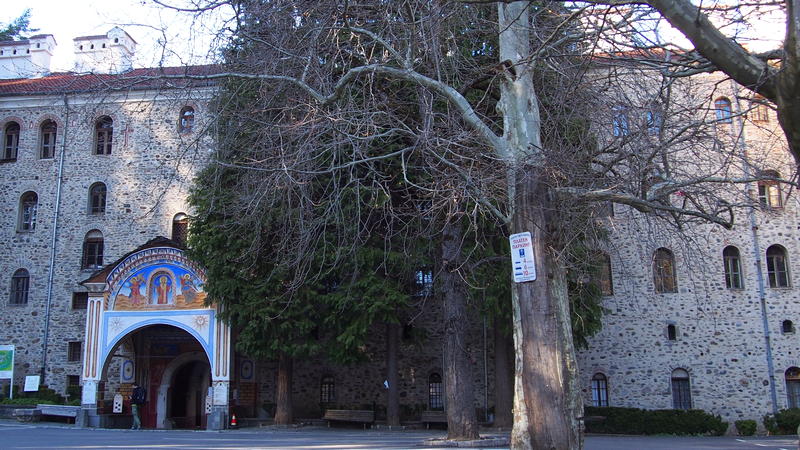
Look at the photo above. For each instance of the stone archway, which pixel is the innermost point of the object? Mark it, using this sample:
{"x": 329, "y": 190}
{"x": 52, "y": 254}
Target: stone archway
{"x": 162, "y": 410}
{"x": 155, "y": 285}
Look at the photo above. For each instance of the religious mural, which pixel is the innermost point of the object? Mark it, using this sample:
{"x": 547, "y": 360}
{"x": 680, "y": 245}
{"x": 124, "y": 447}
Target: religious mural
{"x": 161, "y": 284}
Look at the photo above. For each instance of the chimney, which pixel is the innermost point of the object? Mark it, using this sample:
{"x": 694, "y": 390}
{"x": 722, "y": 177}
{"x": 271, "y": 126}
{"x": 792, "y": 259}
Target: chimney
{"x": 27, "y": 58}
{"x": 106, "y": 53}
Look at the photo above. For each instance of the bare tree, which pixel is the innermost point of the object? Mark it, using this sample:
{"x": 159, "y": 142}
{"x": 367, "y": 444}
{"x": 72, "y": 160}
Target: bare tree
{"x": 465, "y": 104}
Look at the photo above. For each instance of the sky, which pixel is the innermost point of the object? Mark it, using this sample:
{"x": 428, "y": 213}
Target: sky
{"x": 187, "y": 42}
{"x": 172, "y": 38}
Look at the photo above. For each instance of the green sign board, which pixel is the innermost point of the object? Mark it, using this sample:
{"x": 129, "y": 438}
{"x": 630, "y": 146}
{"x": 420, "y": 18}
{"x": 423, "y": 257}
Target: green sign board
{"x": 6, "y": 361}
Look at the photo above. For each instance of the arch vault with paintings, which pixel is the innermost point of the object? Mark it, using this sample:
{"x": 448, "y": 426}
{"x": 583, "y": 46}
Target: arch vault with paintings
{"x": 147, "y": 322}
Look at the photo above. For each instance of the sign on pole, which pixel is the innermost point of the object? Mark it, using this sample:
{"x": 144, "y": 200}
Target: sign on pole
{"x": 522, "y": 262}
{"x": 7, "y": 367}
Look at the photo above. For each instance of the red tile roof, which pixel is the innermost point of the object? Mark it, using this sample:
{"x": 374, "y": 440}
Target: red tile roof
{"x": 136, "y": 79}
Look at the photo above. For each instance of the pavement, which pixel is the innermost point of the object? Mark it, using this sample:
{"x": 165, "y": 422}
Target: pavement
{"x": 46, "y": 435}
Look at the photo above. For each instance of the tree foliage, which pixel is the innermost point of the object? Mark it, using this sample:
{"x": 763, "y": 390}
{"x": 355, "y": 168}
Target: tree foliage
{"x": 17, "y": 27}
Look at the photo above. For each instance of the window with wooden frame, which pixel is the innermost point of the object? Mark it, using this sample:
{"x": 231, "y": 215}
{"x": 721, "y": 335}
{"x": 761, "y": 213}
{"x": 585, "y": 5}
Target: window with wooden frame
{"x": 327, "y": 390}
{"x": 10, "y": 142}
{"x": 20, "y": 284}
{"x": 599, "y": 390}
{"x": 733, "y": 268}
{"x": 777, "y": 267}
{"x": 760, "y": 109}
{"x": 769, "y": 191}
{"x": 74, "y": 351}
{"x": 92, "y": 250}
{"x": 664, "y": 278}
{"x": 97, "y": 198}
{"x": 435, "y": 392}
{"x": 80, "y": 300}
{"x": 28, "y": 205}
{"x": 47, "y": 139}
{"x": 681, "y": 389}
{"x": 722, "y": 108}
{"x": 103, "y": 135}
{"x": 792, "y": 378}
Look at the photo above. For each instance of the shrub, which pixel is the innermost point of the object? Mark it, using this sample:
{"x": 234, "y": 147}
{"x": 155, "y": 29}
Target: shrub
{"x": 27, "y": 401}
{"x": 785, "y": 421}
{"x": 770, "y": 424}
{"x": 662, "y": 421}
{"x": 746, "y": 427}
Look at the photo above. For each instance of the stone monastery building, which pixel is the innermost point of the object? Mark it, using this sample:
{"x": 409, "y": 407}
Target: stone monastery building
{"x": 96, "y": 292}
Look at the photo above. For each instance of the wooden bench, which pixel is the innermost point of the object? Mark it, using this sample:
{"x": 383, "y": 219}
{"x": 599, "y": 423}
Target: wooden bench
{"x": 349, "y": 415}
{"x": 429, "y": 417}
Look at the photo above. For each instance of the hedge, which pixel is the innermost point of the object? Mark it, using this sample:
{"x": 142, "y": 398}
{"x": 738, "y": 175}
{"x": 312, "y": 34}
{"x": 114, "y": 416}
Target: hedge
{"x": 745, "y": 427}
{"x": 785, "y": 421}
{"x": 660, "y": 421}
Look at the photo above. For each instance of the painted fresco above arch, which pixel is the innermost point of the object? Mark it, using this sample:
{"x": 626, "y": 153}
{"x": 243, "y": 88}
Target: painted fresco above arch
{"x": 156, "y": 278}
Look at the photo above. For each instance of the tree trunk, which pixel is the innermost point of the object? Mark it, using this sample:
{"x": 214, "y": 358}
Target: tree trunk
{"x": 503, "y": 375}
{"x": 283, "y": 398}
{"x": 788, "y": 81}
{"x": 393, "y": 399}
{"x": 546, "y": 400}
{"x": 547, "y": 403}
{"x": 462, "y": 423}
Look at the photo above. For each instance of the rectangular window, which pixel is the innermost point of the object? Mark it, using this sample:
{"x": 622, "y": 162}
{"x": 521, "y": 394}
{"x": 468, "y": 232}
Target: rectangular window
{"x": 793, "y": 393}
{"x": 733, "y": 273}
{"x": 681, "y": 396}
{"x": 73, "y": 380}
{"x": 19, "y": 290}
{"x": 423, "y": 283}
{"x": 74, "y": 351}
{"x": 599, "y": 392}
{"x": 80, "y": 300}
{"x": 776, "y": 271}
{"x": 48, "y": 144}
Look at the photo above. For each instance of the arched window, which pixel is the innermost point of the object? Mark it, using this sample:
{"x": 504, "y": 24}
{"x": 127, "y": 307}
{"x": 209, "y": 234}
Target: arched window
{"x": 769, "y": 191}
{"x": 722, "y": 106}
{"x": 599, "y": 390}
{"x": 435, "y": 392}
{"x": 792, "y": 377}
{"x": 664, "y": 271}
{"x": 10, "y": 141}
{"x": 186, "y": 119}
{"x": 604, "y": 279}
{"x": 92, "y": 250}
{"x": 327, "y": 390}
{"x": 27, "y": 211}
{"x": 777, "y": 267}
{"x": 760, "y": 111}
{"x": 733, "y": 267}
{"x": 180, "y": 228}
{"x": 47, "y": 139}
{"x": 787, "y": 327}
{"x": 103, "y": 135}
{"x": 620, "y": 124}
{"x": 97, "y": 198}
{"x": 20, "y": 283}
{"x": 681, "y": 392}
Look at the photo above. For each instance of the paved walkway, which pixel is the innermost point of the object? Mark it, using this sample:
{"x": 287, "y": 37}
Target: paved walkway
{"x": 46, "y": 435}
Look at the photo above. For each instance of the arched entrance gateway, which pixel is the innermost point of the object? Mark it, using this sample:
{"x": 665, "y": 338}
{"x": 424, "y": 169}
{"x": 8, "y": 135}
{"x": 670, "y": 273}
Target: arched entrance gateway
{"x": 147, "y": 323}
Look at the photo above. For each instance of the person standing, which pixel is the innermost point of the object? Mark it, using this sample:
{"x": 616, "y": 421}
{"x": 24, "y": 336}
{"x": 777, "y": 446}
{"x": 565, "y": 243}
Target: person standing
{"x": 138, "y": 398}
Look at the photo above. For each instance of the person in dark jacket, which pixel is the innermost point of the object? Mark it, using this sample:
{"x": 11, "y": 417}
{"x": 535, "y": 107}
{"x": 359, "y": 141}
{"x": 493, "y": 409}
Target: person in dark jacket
{"x": 138, "y": 398}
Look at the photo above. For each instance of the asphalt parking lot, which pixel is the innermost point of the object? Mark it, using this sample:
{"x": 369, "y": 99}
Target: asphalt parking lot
{"x": 43, "y": 435}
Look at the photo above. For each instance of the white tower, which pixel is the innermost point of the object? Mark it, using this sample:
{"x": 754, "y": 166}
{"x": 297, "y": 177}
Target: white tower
{"x": 109, "y": 53}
